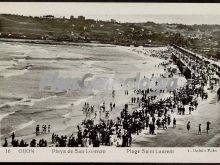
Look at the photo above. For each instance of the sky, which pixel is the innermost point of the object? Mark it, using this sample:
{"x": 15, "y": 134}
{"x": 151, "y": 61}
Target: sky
{"x": 186, "y": 13}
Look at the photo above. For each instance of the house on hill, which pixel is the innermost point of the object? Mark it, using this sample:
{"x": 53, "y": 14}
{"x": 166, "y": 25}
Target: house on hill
{"x": 48, "y": 16}
{"x": 81, "y": 18}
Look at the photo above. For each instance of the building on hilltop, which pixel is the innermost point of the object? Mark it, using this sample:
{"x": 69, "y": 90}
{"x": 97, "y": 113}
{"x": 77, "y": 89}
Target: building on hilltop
{"x": 81, "y": 18}
{"x": 48, "y": 16}
{"x": 113, "y": 21}
{"x": 71, "y": 17}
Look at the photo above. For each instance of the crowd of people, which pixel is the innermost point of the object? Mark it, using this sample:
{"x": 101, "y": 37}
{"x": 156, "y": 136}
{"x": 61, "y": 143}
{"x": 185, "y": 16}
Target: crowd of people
{"x": 15, "y": 142}
{"x": 151, "y": 113}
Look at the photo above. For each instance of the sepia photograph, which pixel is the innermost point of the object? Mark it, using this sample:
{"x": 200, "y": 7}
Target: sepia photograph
{"x": 109, "y": 75}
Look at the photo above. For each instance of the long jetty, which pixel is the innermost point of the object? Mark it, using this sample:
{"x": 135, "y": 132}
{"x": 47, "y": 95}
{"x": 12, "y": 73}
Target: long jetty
{"x": 187, "y": 70}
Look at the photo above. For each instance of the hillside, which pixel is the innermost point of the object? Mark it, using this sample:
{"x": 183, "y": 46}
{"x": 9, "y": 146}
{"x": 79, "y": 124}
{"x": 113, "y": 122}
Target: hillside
{"x": 202, "y": 38}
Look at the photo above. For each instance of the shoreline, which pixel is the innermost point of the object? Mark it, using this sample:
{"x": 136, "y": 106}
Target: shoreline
{"x": 71, "y": 43}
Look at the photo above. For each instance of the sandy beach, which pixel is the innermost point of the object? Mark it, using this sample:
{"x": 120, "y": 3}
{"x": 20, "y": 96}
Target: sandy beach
{"x": 61, "y": 109}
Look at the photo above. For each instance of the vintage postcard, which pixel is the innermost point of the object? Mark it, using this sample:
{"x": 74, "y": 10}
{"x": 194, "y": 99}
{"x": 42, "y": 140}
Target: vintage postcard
{"x": 109, "y": 82}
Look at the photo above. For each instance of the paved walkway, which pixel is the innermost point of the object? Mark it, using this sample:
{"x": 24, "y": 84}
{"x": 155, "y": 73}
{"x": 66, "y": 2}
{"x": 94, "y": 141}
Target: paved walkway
{"x": 179, "y": 137}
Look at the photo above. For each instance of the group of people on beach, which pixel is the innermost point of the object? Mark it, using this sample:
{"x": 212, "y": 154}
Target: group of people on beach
{"x": 91, "y": 134}
{"x": 151, "y": 113}
{"x": 45, "y": 129}
{"x": 42, "y": 143}
{"x": 15, "y": 142}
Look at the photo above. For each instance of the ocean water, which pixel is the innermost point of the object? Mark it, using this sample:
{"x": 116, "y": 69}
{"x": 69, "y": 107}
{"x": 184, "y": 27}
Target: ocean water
{"x": 23, "y": 104}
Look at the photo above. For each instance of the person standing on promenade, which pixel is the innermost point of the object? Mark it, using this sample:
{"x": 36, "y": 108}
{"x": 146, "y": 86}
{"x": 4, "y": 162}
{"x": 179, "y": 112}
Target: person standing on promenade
{"x": 208, "y": 126}
{"x": 218, "y": 94}
{"x": 196, "y": 104}
{"x": 200, "y": 129}
{"x": 190, "y": 109}
{"x": 174, "y": 123}
{"x": 188, "y": 126}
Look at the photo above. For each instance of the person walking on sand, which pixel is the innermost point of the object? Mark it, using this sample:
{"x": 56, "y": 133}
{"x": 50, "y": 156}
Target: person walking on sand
{"x": 188, "y": 126}
{"x": 95, "y": 114}
{"x": 48, "y": 128}
{"x": 37, "y": 130}
{"x": 12, "y": 137}
{"x": 111, "y": 106}
{"x": 208, "y": 127}
{"x": 42, "y": 129}
{"x": 200, "y": 129}
{"x": 113, "y": 93}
